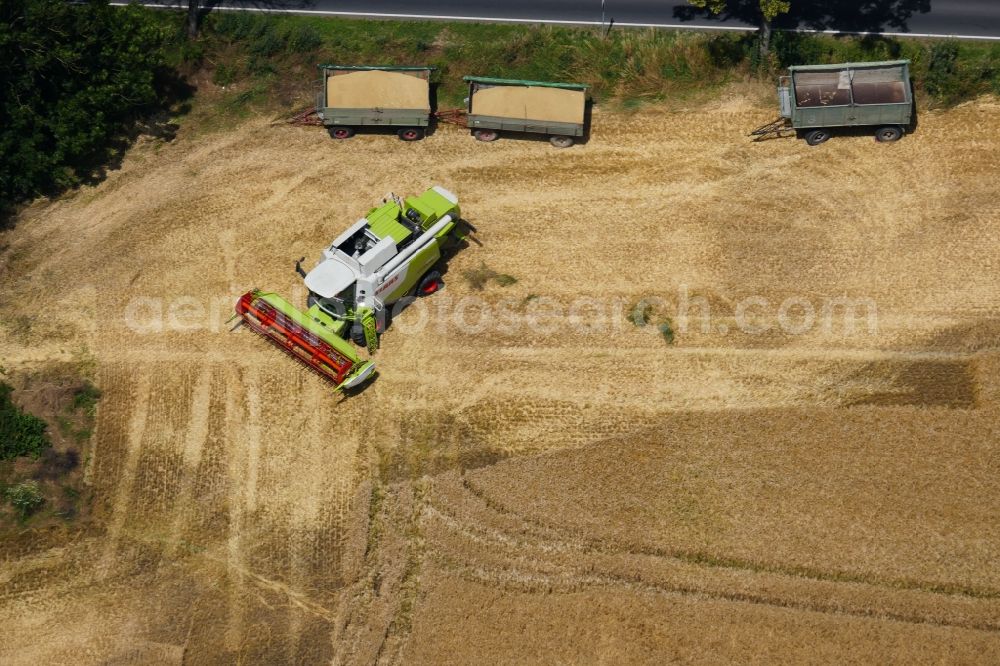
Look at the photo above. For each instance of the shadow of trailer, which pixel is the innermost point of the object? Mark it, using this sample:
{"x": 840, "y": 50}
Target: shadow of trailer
{"x": 555, "y": 110}
{"x": 355, "y": 97}
{"x": 816, "y": 100}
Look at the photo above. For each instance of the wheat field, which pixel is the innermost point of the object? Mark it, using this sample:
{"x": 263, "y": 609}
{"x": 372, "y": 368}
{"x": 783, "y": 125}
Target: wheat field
{"x": 532, "y": 477}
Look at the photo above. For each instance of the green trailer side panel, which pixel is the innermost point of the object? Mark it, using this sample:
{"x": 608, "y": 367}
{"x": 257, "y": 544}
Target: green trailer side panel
{"x": 848, "y": 65}
{"x": 516, "y": 125}
{"x": 370, "y": 68}
{"x": 317, "y": 329}
{"x": 519, "y": 82}
{"x": 333, "y": 117}
{"x": 383, "y": 222}
{"x": 838, "y": 95}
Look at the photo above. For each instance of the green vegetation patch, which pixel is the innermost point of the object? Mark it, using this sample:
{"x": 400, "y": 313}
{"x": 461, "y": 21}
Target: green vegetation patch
{"x": 82, "y": 77}
{"x": 26, "y": 498}
{"x": 478, "y": 278}
{"x": 644, "y": 313}
{"x": 21, "y": 434}
{"x": 628, "y": 66}
{"x": 75, "y": 79}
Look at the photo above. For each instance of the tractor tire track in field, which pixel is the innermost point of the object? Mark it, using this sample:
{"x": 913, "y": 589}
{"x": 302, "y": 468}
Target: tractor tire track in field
{"x": 499, "y": 547}
{"x": 822, "y": 489}
{"x": 126, "y": 478}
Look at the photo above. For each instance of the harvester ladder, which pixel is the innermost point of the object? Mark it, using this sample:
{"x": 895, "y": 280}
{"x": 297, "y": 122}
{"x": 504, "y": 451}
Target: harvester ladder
{"x": 371, "y": 332}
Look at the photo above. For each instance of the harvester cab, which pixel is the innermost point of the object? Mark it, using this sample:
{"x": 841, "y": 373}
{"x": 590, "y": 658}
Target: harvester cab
{"x": 386, "y": 256}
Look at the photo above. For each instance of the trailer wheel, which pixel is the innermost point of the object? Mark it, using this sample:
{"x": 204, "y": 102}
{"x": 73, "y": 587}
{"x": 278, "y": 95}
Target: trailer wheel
{"x": 817, "y": 136}
{"x": 341, "y": 132}
{"x": 430, "y": 283}
{"x": 888, "y": 133}
{"x": 560, "y": 141}
{"x": 410, "y": 134}
{"x": 486, "y": 135}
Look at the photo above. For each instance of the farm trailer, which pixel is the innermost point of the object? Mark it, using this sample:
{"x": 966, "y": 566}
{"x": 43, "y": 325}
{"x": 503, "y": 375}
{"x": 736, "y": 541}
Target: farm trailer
{"x": 815, "y": 99}
{"x": 556, "y": 110}
{"x": 375, "y": 96}
{"x": 387, "y": 257}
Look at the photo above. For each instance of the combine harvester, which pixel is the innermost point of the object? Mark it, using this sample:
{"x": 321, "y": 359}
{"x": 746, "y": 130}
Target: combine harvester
{"x": 385, "y": 257}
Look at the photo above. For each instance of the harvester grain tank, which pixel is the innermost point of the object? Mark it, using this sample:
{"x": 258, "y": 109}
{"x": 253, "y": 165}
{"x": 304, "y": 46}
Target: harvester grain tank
{"x": 557, "y": 110}
{"x": 387, "y": 256}
{"x": 816, "y": 99}
{"x": 375, "y": 96}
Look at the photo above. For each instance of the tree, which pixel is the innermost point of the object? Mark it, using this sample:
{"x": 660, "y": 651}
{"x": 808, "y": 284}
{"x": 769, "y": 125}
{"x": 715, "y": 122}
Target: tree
{"x": 765, "y": 10}
{"x": 73, "y": 77}
{"x": 192, "y": 19}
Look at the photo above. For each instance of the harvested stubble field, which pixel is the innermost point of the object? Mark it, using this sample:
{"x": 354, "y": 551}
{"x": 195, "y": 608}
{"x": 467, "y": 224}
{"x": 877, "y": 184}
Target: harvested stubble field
{"x": 579, "y": 490}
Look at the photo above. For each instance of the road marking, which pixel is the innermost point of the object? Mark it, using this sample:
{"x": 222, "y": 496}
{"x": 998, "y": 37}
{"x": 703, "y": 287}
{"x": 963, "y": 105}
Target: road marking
{"x": 625, "y": 24}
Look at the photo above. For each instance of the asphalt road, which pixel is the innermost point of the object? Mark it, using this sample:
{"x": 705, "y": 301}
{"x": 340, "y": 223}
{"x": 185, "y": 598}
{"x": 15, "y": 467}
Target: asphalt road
{"x": 967, "y": 19}
{"x": 960, "y": 18}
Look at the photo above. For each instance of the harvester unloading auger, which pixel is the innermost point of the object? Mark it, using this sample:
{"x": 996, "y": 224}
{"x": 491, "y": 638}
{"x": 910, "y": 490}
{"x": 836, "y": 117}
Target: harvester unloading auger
{"x": 383, "y": 258}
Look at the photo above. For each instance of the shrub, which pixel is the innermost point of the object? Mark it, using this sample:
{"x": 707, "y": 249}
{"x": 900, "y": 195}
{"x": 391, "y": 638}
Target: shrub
{"x": 21, "y": 434}
{"x": 478, "y": 278}
{"x": 25, "y": 497}
{"x": 267, "y": 43}
{"x": 641, "y": 313}
{"x": 224, "y": 75}
{"x": 667, "y": 331}
{"x": 85, "y": 398}
{"x": 302, "y": 38}
{"x": 942, "y": 69}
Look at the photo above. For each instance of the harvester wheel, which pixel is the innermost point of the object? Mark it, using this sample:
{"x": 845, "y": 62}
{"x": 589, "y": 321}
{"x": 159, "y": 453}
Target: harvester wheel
{"x": 358, "y": 336}
{"x": 561, "y": 141}
{"x": 817, "y": 136}
{"x": 358, "y": 332}
{"x": 341, "y": 132}
{"x": 888, "y": 133}
{"x": 410, "y": 134}
{"x": 486, "y": 135}
{"x": 429, "y": 284}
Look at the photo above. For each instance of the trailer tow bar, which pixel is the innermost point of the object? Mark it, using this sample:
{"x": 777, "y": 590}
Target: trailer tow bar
{"x": 452, "y": 116}
{"x": 775, "y": 129}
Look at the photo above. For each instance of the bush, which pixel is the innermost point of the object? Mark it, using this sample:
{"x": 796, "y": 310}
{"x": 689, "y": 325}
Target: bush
{"x": 302, "y": 38}
{"x": 85, "y": 398}
{"x": 955, "y": 74}
{"x": 266, "y": 44}
{"x": 942, "y": 69}
{"x": 224, "y": 75}
{"x": 21, "y": 434}
{"x": 478, "y": 278}
{"x": 25, "y": 497}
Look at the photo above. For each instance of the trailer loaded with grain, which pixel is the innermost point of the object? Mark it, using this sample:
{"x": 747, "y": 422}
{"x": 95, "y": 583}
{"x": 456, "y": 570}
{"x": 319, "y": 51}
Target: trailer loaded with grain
{"x": 817, "y": 99}
{"x": 384, "y": 96}
{"x": 557, "y": 110}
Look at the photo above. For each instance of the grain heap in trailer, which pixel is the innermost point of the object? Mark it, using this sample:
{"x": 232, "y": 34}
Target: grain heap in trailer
{"x": 557, "y": 110}
{"x": 816, "y": 99}
{"x": 379, "y": 96}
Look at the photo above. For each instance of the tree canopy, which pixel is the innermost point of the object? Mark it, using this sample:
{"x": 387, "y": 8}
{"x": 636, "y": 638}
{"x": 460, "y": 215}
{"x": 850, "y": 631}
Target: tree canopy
{"x": 72, "y": 76}
{"x": 768, "y": 9}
